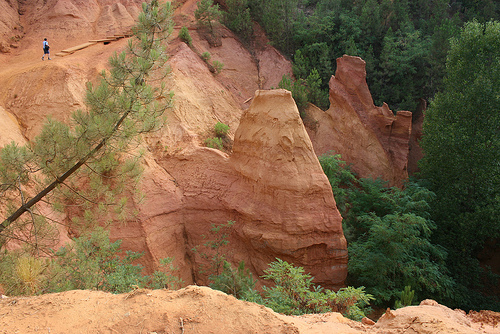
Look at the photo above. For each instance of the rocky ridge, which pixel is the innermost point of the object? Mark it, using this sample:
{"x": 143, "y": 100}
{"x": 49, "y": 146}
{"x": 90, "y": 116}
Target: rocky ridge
{"x": 197, "y": 309}
{"x": 373, "y": 139}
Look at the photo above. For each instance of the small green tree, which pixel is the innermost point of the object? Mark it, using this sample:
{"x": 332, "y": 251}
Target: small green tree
{"x": 389, "y": 234}
{"x": 218, "y": 66}
{"x": 185, "y": 36}
{"x": 214, "y": 246}
{"x": 221, "y": 129}
{"x": 406, "y": 297}
{"x": 298, "y": 89}
{"x": 238, "y": 282}
{"x": 207, "y": 13}
{"x": 315, "y": 94}
{"x": 206, "y": 56}
{"x": 89, "y": 262}
{"x": 214, "y": 142}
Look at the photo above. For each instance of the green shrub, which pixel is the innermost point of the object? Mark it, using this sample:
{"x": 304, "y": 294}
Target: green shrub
{"x": 406, "y": 298}
{"x": 221, "y": 129}
{"x": 185, "y": 36}
{"x": 89, "y": 263}
{"x": 214, "y": 142}
{"x": 389, "y": 236}
{"x": 92, "y": 262}
{"x": 238, "y": 282}
{"x": 315, "y": 94}
{"x": 218, "y": 66}
{"x": 165, "y": 278}
{"x": 341, "y": 178}
{"x": 22, "y": 274}
{"x": 206, "y": 56}
{"x": 294, "y": 293}
{"x": 212, "y": 249}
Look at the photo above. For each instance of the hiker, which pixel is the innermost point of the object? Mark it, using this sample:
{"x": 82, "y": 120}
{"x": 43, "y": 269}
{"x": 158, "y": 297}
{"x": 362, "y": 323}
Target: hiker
{"x": 46, "y": 49}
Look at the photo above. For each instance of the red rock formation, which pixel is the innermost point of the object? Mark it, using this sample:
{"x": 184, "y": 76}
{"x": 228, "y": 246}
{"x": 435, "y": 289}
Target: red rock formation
{"x": 371, "y": 138}
{"x": 272, "y": 186}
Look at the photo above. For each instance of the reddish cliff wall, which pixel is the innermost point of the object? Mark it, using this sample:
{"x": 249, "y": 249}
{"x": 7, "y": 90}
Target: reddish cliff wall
{"x": 272, "y": 186}
{"x": 371, "y": 138}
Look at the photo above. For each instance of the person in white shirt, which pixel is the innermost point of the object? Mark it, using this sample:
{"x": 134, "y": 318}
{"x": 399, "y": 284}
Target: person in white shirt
{"x": 46, "y": 49}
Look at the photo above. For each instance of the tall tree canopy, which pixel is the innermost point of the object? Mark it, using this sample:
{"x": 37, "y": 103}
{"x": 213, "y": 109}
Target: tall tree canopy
{"x": 462, "y": 150}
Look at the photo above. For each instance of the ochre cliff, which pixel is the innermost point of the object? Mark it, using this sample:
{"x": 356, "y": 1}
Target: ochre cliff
{"x": 272, "y": 185}
{"x": 371, "y": 138}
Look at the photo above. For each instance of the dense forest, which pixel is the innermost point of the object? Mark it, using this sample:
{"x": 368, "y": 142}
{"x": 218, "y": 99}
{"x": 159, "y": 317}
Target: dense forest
{"x": 429, "y": 236}
{"x": 404, "y": 43}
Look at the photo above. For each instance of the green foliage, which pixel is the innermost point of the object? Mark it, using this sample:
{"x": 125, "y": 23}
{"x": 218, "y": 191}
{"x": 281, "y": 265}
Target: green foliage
{"x": 164, "y": 278}
{"x": 81, "y": 165}
{"x": 341, "y": 178}
{"x": 400, "y": 41}
{"x": 294, "y": 293}
{"x": 404, "y": 43}
{"x": 315, "y": 94}
{"x": 389, "y": 236}
{"x": 207, "y": 13}
{"x": 396, "y": 251}
{"x": 462, "y": 150}
{"x": 21, "y": 273}
{"x": 298, "y": 89}
{"x": 214, "y": 142}
{"x": 206, "y": 56}
{"x": 213, "y": 248}
{"x": 306, "y": 90}
{"x": 238, "y": 18}
{"x": 92, "y": 262}
{"x": 221, "y": 129}
{"x": 237, "y": 282}
{"x": 89, "y": 262}
{"x": 406, "y": 298}
{"x": 185, "y": 36}
{"x": 218, "y": 66}
{"x": 277, "y": 18}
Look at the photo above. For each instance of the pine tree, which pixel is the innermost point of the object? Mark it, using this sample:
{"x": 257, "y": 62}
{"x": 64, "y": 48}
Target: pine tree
{"x": 80, "y": 167}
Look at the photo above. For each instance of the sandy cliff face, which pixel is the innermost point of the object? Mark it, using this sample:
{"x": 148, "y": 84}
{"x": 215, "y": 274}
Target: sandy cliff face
{"x": 371, "y": 138}
{"x": 272, "y": 185}
{"x": 9, "y": 23}
{"x": 63, "y": 21}
{"x": 197, "y": 309}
